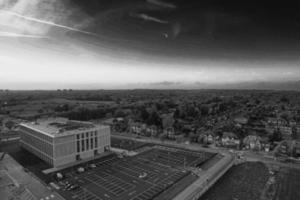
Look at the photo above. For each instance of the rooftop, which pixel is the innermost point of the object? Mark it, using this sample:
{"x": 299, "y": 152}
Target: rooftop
{"x": 59, "y": 126}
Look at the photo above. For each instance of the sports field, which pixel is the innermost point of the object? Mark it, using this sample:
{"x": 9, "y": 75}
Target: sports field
{"x": 287, "y": 184}
{"x": 245, "y": 181}
{"x": 144, "y": 176}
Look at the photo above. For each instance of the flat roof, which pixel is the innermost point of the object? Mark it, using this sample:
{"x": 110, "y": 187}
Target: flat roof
{"x": 56, "y": 127}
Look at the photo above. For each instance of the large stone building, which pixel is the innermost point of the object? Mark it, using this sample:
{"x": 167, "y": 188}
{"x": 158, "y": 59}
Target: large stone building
{"x": 60, "y": 141}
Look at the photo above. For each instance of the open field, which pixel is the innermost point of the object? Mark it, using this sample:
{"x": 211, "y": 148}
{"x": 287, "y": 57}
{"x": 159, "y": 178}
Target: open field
{"x": 287, "y": 184}
{"x": 245, "y": 181}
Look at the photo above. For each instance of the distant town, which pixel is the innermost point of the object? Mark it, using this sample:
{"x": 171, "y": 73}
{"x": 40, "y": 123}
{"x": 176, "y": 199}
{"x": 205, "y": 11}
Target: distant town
{"x": 150, "y": 144}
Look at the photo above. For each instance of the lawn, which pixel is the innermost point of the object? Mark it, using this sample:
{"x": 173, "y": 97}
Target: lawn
{"x": 245, "y": 181}
{"x": 288, "y": 184}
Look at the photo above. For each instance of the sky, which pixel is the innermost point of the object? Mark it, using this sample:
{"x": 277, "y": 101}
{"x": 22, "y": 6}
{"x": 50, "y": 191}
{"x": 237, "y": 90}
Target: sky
{"x": 117, "y": 44}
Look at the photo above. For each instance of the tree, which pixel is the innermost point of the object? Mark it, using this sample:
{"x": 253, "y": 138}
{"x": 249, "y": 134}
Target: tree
{"x": 222, "y": 107}
{"x": 144, "y": 114}
{"x": 177, "y": 113}
{"x": 201, "y": 139}
{"x": 193, "y": 137}
{"x": 154, "y": 119}
{"x": 163, "y": 137}
{"x": 276, "y": 136}
{"x": 294, "y": 133}
{"x": 40, "y": 111}
{"x": 10, "y": 124}
{"x": 120, "y": 113}
{"x": 192, "y": 111}
{"x": 204, "y": 110}
{"x": 167, "y": 121}
{"x": 284, "y": 116}
{"x": 284, "y": 99}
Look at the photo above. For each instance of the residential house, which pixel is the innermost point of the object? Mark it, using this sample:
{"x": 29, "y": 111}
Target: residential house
{"x": 137, "y": 128}
{"x": 252, "y": 142}
{"x": 241, "y": 120}
{"x": 206, "y": 138}
{"x": 286, "y": 131}
{"x": 152, "y": 131}
{"x": 170, "y": 132}
{"x": 230, "y": 139}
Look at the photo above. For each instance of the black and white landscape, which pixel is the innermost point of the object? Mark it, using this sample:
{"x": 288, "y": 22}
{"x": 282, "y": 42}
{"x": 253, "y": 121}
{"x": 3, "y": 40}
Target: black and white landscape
{"x": 149, "y": 99}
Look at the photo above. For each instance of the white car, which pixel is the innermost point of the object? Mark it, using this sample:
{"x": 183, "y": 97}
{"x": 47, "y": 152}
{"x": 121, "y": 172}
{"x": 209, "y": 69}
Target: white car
{"x": 80, "y": 169}
{"x": 143, "y": 175}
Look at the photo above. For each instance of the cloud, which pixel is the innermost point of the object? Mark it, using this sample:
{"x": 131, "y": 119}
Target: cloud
{"x": 39, "y": 17}
{"x": 149, "y": 18}
{"x": 44, "y": 22}
{"x": 17, "y": 35}
{"x": 162, "y": 4}
{"x": 176, "y": 29}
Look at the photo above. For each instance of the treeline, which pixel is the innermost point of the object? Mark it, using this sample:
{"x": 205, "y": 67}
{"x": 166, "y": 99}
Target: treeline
{"x": 92, "y": 97}
{"x": 85, "y": 114}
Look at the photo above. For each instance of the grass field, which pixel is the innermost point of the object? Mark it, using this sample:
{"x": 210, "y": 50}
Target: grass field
{"x": 287, "y": 184}
{"x": 245, "y": 181}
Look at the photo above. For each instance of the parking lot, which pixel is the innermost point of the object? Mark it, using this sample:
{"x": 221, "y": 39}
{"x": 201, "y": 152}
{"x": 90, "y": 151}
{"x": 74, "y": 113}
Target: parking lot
{"x": 141, "y": 177}
{"x": 176, "y": 157}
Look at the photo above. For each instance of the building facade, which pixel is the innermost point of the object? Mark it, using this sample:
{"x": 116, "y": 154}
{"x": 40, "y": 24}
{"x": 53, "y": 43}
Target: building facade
{"x": 60, "y": 141}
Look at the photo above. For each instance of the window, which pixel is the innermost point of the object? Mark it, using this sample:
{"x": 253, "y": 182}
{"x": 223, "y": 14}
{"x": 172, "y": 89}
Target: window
{"x": 92, "y": 143}
{"x": 96, "y": 142}
{"x": 78, "y": 146}
{"x": 77, "y": 136}
{"x": 87, "y": 144}
{"x": 82, "y": 145}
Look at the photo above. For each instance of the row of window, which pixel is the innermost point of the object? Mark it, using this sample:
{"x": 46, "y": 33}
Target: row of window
{"x": 37, "y": 153}
{"x": 42, "y": 136}
{"x": 36, "y": 134}
{"x": 104, "y": 132}
{"x": 64, "y": 149}
{"x": 39, "y": 144}
{"x": 87, "y": 135}
{"x": 92, "y": 143}
{"x": 87, "y": 144}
